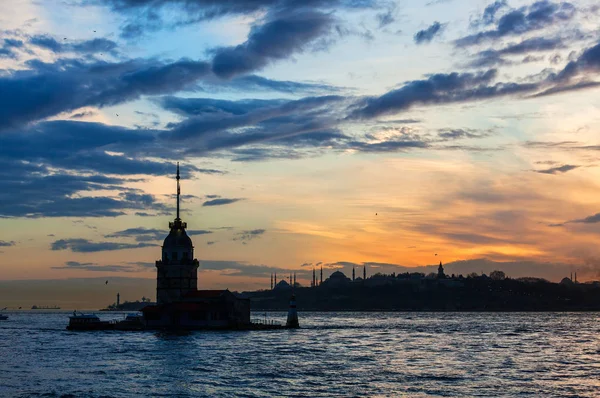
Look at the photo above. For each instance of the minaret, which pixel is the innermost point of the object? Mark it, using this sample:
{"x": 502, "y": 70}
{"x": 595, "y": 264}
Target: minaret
{"x": 365, "y": 272}
{"x": 118, "y": 299}
{"x": 178, "y": 269}
{"x": 321, "y": 275}
{"x": 275, "y": 281}
{"x": 353, "y": 274}
{"x": 294, "y": 280}
{"x": 271, "y": 281}
{"x": 571, "y": 276}
{"x": 314, "y": 282}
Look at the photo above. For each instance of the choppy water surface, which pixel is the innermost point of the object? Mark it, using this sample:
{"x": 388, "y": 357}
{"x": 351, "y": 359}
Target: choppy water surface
{"x": 334, "y": 354}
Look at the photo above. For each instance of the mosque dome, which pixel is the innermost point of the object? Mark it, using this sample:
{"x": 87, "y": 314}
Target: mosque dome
{"x": 338, "y": 275}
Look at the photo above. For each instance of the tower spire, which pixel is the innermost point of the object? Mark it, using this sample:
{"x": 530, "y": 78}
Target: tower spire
{"x": 178, "y": 190}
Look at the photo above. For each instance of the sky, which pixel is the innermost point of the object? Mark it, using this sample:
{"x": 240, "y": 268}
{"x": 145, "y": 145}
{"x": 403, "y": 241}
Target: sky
{"x": 338, "y": 133}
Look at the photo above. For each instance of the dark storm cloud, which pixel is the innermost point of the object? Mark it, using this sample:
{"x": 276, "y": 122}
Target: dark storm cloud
{"x": 220, "y": 202}
{"x": 438, "y": 89}
{"x": 559, "y": 169}
{"x": 8, "y": 47}
{"x": 97, "y": 45}
{"x": 490, "y": 57}
{"x": 256, "y": 121}
{"x": 249, "y": 235}
{"x": 589, "y": 220}
{"x": 259, "y": 83}
{"x": 56, "y": 196}
{"x": 455, "y": 134}
{"x": 594, "y": 219}
{"x": 538, "y": 15}
{"x": 489, "y": 14}
{"x": 148, "y": 15}
{"x": 95, "y": 267}
{"x": 45, "y": 90}
{"x": 192, "y": 232}
{"x": 278, "y": 38}
{"x": 426, "y": 35}
{"x": 86, "y": 246}
{"x": 4, "y": 243}
{"x": 140, "y": 234}
{"x": 199, "y": 106}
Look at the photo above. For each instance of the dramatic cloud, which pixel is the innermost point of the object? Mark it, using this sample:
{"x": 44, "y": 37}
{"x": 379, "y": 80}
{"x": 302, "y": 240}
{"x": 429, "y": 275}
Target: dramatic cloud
{"x": 246, "y": 236}
{"x": 192, "y": 232}
{"x": 492, "y": 57}
{"x": 426, "y": 35}
{"x": 556, "y": 170}
{"x": 438, "y": 88}
{"x": 237, "y": 268}
{"x": 46, "y": 90}
{"x": 220, "y": 202}
{"x": 588, "y": 220}
{"x": 98, "y": 45}
{"x": 86, "y": 246}
{"x": 278, "y": 38}
{"x": 539, "y": 15}
{"x": 74, "y": 265}
{"x": 8, "y": 48}
{"x": 455, "y": 134}
{"x": 140, "y": 234}
{"x": 151, "y": 15}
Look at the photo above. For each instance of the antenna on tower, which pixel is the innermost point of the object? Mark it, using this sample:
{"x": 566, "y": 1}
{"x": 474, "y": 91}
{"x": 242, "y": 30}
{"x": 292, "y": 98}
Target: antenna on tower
{"x": 178, "y": 190}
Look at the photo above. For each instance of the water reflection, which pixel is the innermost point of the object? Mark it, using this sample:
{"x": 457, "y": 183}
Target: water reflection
{"x": 334, "y": 354}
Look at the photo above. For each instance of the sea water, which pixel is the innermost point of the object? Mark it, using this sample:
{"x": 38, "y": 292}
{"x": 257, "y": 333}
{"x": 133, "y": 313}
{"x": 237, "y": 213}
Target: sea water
{"x": 332, "y": 355}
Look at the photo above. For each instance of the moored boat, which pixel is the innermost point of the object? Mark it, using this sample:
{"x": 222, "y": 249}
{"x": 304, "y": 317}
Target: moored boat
{"x": 131, "y": 322}
{"x": 88, "y": 322}
{"x": 3, "y": 317}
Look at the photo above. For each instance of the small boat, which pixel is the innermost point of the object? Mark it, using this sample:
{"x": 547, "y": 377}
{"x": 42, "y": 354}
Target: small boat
{"x": 88, "y": 322}
{"x": 3, "y": 317}
{"x": 131, "y": 322}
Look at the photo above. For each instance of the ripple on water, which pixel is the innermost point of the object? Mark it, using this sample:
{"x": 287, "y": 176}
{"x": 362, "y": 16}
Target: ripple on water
{"x": 334, "y": 354}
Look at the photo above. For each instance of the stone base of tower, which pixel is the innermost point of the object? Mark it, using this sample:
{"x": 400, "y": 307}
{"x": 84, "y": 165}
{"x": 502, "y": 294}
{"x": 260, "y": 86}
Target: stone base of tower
{"x": 200, "y": 309}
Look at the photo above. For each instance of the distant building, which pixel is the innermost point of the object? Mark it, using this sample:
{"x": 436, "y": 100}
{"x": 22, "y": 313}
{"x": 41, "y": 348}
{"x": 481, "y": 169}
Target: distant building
{"x": 282, "y": 285}
{"x": 441, "y": 274}
{"x": 179, "y": 303}
{"x": 337, "y": 279}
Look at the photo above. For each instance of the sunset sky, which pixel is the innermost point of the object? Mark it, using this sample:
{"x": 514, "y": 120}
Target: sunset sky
{"x": 309, "y": 132}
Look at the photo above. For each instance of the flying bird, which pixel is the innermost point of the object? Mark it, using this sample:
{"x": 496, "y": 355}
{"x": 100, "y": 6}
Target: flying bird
{"x": 436, "y": 254}
{"x": 375, "y": 213}
{"x": 117, "y": 114}
{"x": 106, "y": 283}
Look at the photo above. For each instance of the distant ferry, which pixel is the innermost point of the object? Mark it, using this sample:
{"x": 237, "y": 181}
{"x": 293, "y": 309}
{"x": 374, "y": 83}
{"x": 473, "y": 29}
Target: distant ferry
{"x": 42, "y": 307}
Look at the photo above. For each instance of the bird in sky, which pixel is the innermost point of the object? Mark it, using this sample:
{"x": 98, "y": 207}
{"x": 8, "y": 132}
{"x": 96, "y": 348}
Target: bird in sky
{"x": 106, "y": 283}
{"x": 117, "y": 114}
{"x": 436, "y": 254}
{"x": 375, "y": 213}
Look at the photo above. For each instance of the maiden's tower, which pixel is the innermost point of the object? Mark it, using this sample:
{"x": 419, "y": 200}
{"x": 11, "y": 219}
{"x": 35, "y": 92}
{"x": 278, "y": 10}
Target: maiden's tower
{"x": 179, "y": 303}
